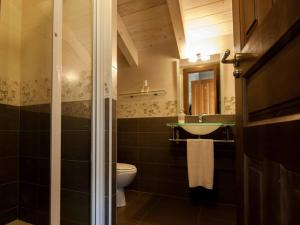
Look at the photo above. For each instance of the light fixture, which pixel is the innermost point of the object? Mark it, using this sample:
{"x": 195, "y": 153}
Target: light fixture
{"x": 204, "y": 57}
{"x": 193, "y": 58}
{"x": 198, "y": 57}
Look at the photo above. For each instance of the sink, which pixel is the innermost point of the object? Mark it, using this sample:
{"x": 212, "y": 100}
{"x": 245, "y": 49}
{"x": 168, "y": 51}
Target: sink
{"x": 200, "y": 128}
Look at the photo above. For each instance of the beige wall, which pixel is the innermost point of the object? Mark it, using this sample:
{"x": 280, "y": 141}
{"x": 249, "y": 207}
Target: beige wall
{"x": 36, "y": 52}
{"x": 10, "y": 51}
{"x": 26, "y": 51}
{"x": 77, "y": 50}
{"x": 227, "y": 78}
{"x": 156, "y": 65}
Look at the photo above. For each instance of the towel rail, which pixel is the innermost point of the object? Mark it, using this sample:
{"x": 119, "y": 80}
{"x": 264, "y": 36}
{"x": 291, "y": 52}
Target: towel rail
{"x": 218, "y": 141}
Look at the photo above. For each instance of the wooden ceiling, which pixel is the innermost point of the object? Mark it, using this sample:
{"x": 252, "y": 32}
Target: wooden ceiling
{"x": 207, "y": 18}
{"x": 148, "y": 21}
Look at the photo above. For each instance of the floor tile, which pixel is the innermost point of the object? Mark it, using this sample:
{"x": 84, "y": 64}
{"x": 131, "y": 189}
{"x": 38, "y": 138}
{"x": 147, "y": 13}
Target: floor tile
{"x": 149, "y": 209}
{"x": 138, "y": 205}
{"x": 219, "y": 212}
{"x": 172, "y": 211}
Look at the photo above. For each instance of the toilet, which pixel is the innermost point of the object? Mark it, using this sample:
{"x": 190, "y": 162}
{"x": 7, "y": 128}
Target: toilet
{"x": 125, "y": 175}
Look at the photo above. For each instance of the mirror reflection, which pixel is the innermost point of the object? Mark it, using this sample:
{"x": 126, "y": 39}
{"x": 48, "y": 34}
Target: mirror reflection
{"x": 201, "y": 89}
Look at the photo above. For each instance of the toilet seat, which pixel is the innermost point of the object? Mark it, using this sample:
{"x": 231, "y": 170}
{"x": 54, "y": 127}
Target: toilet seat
{"x": 124, "y": 167}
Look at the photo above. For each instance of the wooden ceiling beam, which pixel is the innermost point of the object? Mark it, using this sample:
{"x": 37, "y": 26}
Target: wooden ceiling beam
{"x": 178, "y": 27}
{"x": 126, "y": 44}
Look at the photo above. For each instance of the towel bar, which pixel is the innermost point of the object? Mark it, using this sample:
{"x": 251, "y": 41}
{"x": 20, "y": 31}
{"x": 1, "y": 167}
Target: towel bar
{"x": 183, "y": 140}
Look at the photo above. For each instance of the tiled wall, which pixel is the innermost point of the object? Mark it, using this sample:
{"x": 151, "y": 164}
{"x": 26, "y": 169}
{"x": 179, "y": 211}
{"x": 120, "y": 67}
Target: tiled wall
{"x": 162, "y": 165}
{"x": 76, "y": 164}
{"x": 9, "y": 163}
{"x": 34, "y": 164}
{"x": 25, "y": 82}
{"x": 25, "y": 163}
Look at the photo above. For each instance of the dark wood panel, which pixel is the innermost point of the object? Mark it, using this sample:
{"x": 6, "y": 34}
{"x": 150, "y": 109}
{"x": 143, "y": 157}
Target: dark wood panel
{"x": 254, "y": 187}
{"x": 268, "y": 32}
{"x": 276, "y": 82}
{"x": 249, "y": 17}
{"x": 290, "y": 186}
{"x": 267, "y": 88}
{"x": 278, "y": 142}
{"x": 272, "y": 191}
{"x": 263, "y": 8}
{"x": 286, "y": 108}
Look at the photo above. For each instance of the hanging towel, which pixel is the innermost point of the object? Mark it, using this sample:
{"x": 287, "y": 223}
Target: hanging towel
{"x": 200, "y": 161}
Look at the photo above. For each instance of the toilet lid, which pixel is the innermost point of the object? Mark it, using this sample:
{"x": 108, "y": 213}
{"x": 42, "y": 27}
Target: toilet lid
{"x": 125, "y": 167}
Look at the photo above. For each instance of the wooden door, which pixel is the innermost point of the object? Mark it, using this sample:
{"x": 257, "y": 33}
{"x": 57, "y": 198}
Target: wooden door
{"x": 203, "y": 97}
{"x": 268, "y": 111}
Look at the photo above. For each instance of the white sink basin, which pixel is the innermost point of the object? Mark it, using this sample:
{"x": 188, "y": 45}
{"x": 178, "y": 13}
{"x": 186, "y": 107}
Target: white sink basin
{"x": 201, "y": 128}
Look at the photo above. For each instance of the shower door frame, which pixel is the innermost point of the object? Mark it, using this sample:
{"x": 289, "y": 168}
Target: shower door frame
{"x": 101, "y": 41}
{"x": 102, "y": 24}
{"x": 55, "y": 174}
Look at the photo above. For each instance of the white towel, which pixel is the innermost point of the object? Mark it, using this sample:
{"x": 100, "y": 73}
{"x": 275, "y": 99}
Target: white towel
{"x": 200, "y": 161}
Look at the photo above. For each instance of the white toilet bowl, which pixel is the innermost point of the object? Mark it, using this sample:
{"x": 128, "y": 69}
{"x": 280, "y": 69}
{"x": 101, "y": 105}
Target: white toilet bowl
{"x": 125, "y": 175}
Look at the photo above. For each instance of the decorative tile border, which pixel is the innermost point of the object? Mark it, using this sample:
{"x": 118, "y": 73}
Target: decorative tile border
{"x": 38, "y": 91}
{"x": 146, "y": 109}
{"x": 35, "y": 92}
{"x": 79, "y": 89}
{"x": 9, "y": 92}
{"x": 81, "y": 109}
{"x": 229, "y": 105}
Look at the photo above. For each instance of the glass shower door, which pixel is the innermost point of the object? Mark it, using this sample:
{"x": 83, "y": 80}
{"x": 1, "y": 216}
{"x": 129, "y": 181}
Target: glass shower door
{"x": 77, "y": 54}
{"x": 25, "y": 110}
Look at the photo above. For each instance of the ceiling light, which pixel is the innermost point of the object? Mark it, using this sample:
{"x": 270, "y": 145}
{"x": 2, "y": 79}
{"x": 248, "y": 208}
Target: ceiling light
{"x": 193, "y": 58}
{"x": 204, "y": 57}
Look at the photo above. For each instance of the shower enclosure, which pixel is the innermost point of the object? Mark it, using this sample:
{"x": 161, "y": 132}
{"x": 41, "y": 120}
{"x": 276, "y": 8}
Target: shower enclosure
{"x": 25, "y": 118}
{"x": 52, "y": 156}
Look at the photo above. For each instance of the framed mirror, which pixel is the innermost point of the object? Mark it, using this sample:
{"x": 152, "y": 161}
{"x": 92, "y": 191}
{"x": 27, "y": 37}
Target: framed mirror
{"x": 201, "y": 89}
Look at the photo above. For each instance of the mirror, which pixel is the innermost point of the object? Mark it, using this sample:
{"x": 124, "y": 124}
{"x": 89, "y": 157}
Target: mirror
{"x": 201, "y": 89}
{"x": 205, "y": 87}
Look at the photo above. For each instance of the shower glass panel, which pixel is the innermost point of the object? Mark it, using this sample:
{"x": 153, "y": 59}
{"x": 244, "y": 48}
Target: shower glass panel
{"x": 25, "y": 104}
{"x": 76, "y": 112}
